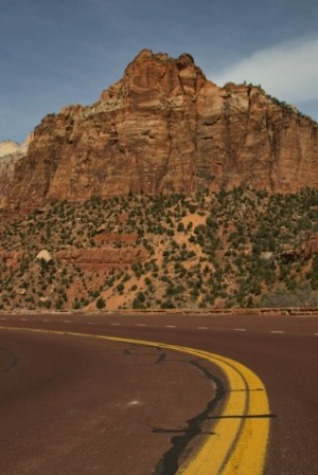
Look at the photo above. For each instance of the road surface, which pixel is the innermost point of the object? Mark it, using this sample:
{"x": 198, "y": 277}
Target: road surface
{"x": 74, "y": 406}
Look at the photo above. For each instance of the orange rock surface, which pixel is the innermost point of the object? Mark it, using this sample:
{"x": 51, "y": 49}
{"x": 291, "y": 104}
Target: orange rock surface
{"x": 10, "y": 258}
{"x": 310, "y": 247}
{"x": 165, "y": 128}
{"x": 96, "y": 259}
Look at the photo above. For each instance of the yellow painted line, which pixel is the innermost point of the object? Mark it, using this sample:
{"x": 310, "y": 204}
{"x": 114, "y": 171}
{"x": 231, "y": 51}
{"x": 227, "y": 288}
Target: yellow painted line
{"x": 237, "y": 445}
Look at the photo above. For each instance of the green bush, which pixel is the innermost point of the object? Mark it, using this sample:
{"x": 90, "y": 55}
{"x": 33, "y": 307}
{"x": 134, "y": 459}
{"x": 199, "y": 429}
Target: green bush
{"x": 100, "y": 304}
{"x": 314, "y": 274}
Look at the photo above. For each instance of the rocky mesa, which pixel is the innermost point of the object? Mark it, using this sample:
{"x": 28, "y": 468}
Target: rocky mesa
{"x": 164, "y": 128}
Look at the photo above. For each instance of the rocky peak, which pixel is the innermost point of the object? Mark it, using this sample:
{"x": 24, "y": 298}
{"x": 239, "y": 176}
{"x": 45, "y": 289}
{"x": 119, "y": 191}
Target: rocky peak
{"x": 151, "y": 79}
{"x": 8, "y": 147}
{"x": 10, "y": 153}
{"x": 165, "y": 128}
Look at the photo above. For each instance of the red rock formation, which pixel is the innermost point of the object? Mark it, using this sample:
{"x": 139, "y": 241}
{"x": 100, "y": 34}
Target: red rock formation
{"x": 310, "y": 247}
{"x": 97, "y": 259}
{"x": 164, "y": 127}
{"x": 9, "y": 258}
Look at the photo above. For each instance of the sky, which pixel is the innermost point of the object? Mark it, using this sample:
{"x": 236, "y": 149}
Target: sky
{"x": 59, "y": 52}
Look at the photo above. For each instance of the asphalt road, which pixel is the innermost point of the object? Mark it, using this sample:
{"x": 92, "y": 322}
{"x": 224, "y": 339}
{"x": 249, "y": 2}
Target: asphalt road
{"x": 85, "y": 406}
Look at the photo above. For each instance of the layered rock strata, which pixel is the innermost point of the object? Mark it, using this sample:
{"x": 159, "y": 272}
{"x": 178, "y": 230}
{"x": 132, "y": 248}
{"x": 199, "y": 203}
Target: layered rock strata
{"x": 96, "y": 259}
{"x": 165, "y": 128}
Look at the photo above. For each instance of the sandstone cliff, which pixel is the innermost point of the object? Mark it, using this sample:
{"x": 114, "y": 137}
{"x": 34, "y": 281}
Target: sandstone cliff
{"x": 162, "y": 128}
{"x": 10, "y": 153}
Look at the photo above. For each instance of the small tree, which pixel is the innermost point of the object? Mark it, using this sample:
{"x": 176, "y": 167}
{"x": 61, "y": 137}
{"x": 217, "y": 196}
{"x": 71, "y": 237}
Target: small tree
{"x": 100, "y": 304}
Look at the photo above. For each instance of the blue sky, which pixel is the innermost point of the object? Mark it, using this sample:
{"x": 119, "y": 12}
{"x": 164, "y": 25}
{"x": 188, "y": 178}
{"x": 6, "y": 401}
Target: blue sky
{"x": 54, "y": 53}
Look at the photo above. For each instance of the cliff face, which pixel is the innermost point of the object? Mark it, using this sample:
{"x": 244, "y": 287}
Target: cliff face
{"x": 10, "y": 154}
{"x": 164, "y": 127}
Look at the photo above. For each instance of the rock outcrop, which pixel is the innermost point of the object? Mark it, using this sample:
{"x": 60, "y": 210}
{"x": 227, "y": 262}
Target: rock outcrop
{"x": 8, "y": 148}
{"x": 165, "y": 128}
{"x": 10, "y": 153}
{"x": 310, "y": 247}
{"x": 96, "y": 259}
{"x": 44, "y": 255}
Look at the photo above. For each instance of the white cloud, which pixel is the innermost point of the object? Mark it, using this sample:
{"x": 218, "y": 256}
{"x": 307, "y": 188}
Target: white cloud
{"x": 288, "y": 71}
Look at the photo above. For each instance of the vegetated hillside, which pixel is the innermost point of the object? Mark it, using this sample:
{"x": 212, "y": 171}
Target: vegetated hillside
{"x": 241, "y": 248}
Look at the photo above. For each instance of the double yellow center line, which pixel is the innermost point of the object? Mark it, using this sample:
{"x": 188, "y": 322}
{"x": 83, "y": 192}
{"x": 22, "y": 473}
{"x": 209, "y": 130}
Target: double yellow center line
{"x": 238, "y": 443}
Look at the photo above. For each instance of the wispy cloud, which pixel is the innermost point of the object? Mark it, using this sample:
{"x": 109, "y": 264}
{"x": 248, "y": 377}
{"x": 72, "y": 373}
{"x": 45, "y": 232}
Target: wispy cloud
{"x": 287, "y": 70}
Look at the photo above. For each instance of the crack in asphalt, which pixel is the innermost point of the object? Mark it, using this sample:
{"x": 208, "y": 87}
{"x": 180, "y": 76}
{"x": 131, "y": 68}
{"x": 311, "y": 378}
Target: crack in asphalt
{"x": 13, "y": 360}
{"x": 170, "y": 460}
{"x": 161, "y": 359}
{"x": 132, "y": 351}
{"x": 169, "y": 463}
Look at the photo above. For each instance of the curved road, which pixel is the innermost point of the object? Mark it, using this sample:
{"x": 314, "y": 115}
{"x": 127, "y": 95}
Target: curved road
{"x": 282, "y": 351}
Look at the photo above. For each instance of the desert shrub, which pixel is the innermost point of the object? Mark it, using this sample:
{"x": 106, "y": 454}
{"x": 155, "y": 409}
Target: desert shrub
{"x": 313, "y": 275}
{"x": 301, "y": 297}
{"x": 167, "y": 304}
{"x": 120, "y": 287}
{"x": 100, "y": 303}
